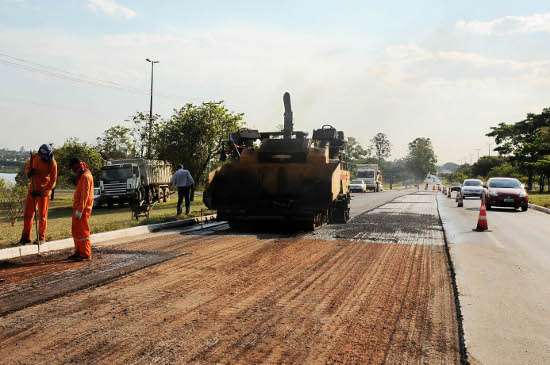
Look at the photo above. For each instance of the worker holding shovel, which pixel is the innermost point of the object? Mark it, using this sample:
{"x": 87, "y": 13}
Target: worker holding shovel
{"x": 83, "y": 201}
{"x": 42, "y": 172}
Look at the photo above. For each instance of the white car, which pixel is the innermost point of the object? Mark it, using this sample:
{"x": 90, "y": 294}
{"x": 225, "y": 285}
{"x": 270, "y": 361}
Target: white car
{"x": 358, "y": 186}
{"x": 472, "y": 188}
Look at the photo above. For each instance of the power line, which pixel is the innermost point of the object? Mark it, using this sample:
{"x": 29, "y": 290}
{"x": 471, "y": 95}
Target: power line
{"x": 21, "y": 63}
{"x": 67, "y": 73}
{"x": 31, "y": 66}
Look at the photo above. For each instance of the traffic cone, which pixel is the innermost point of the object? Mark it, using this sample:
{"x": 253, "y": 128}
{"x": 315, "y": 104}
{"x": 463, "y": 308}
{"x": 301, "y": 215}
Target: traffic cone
{"x": 482, "y": 220}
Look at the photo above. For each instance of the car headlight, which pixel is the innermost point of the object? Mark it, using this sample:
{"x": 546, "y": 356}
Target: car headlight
{"x": 523, "y": 194}
{"x": 493, "y": 193}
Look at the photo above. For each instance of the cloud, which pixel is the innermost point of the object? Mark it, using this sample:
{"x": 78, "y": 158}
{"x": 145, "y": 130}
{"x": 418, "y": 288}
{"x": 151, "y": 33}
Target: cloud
{"x": 404, "y": 90}
{"x": 111, "y": 8}
{"x": 412, "y": 64}
{"x": 508, "y": 25}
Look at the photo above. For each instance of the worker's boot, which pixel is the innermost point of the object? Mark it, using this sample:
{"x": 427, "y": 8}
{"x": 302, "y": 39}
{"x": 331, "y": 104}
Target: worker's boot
{"x": 187, "y": 210}
{"x": 73, "y": 257}
{"x": 24, "y": 241}
{"x": 178, "y": 211}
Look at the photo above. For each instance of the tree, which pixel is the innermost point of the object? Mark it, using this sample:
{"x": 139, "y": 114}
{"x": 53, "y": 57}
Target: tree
{"x": 462, "y": 173}
{"x": 523, "y": 142}
{"x": 482, "y": 166}
{"x": 356, "y": 153}
{"x": 396, "y": 171}
{"x": 381, "y": 146}
{"x": 194, "y": 134}
{"x": 505, "y": 169}
{"x": 421, "y": 159}
{"x": 117, "y": 142}
{"x": 74, "y": 148}
{"x": 140, "y": 133}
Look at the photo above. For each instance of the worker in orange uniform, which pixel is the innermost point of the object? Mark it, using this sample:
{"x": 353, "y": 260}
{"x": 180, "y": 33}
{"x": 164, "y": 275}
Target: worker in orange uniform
{"x": 42, "y": 172}
{"x": 83, "y": 201}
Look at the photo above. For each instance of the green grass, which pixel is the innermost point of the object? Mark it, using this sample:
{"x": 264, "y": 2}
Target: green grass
{"x": 540, "y": 199}
{"x": 102, "y": 220}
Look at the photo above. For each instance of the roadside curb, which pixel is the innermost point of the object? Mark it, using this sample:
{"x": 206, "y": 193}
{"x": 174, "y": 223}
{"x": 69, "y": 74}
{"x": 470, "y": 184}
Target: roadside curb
{"x": 454, "y": 284}
{"x": 18, "y": 251}
{"x": 539, "y": 208}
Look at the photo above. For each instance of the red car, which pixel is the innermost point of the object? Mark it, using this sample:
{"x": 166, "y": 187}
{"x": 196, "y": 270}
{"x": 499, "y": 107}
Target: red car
{"x": 506, "y": 192}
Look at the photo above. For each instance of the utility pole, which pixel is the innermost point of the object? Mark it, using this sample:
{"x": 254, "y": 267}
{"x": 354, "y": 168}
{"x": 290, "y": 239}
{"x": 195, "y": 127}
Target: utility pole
{"x": 149, "y": 137}
{"x": 489, "y": 148}
{"x": 477, "y": 149}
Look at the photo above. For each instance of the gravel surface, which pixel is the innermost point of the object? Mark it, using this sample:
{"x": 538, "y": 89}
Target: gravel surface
{"x": 247, "y": 298}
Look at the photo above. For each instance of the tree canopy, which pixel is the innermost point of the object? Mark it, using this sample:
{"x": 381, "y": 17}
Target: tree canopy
{"x": 193, "y": 135}
{"x": 81, "y": 150}
{"x": 421, "y": 159}
{"x": 117, "y": 142}
{"x": 526, "y": 145}
{"x": 381, "y": 146}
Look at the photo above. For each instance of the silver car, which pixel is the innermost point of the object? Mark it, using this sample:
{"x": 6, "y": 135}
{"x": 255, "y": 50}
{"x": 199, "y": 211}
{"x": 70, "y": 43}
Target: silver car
{"x": 472, "y": 188}
{"x": 358, "y": 185}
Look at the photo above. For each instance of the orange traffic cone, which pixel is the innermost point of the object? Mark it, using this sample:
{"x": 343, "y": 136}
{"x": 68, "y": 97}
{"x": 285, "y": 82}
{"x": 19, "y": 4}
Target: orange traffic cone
{"x": 482, "y": 220}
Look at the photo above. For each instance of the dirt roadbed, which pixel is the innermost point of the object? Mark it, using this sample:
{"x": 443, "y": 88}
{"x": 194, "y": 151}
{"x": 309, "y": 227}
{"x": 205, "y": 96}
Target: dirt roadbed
{"x": 248, "y": 298}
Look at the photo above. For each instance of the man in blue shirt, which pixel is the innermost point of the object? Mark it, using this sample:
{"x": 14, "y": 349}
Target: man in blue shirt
{"x": 183, "y": 181}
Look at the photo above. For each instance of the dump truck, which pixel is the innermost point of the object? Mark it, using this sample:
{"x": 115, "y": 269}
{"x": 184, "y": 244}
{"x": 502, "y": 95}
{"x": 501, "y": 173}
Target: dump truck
{"x": 282, "y": 176}
{"x": 136, "y": 181}
{"x": 372, "y": 175}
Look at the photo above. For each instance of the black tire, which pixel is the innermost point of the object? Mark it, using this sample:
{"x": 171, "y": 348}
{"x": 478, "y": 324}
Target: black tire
{"x": 524, "y": 208}
{"x": 110, "y": 204}
{"x": 488, "y": 207}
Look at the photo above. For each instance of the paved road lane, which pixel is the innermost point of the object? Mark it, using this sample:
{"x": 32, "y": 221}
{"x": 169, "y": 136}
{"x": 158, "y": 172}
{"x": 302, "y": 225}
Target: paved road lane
{"x": 503, "y": 278}
{"x": 361, "y": 202}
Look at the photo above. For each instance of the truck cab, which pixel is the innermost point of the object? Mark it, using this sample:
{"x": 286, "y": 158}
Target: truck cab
{"x": 372, "y": 176}
{"x": 118, "y": 182}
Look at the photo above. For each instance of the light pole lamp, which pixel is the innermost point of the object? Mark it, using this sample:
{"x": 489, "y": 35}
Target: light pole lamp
{"x": 150, "y": 110}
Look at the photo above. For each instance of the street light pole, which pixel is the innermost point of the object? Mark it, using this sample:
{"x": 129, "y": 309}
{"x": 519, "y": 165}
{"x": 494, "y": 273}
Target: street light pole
{"x": 150, "y": 111}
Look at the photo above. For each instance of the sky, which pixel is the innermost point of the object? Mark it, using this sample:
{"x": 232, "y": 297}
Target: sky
{"x": 444, "y": 70}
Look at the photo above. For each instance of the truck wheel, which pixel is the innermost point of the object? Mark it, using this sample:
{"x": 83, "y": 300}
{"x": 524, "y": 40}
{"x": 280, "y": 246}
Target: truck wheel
{"x": 110, "y": 204}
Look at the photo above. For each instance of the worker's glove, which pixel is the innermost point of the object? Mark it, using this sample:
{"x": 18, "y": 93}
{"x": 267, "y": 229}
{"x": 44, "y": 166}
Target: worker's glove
{"x": 31, "y": 173}
{"x": 37, "y": 194}
{"x": 78, "y": 214}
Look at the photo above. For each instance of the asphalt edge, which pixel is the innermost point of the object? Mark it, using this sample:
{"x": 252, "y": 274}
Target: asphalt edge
{"x": 459, "y": 318}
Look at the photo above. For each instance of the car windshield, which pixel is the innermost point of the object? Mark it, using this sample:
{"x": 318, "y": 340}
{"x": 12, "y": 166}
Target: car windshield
{"x": 367, "y": 174}
{"x": 116, "y": 173}
{"x": 356, "y": 181}
{"x": 504, "y": 183}
{"x": 472, "y": 183}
